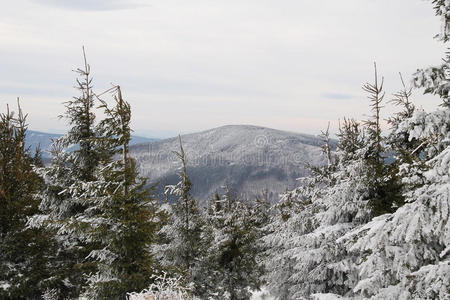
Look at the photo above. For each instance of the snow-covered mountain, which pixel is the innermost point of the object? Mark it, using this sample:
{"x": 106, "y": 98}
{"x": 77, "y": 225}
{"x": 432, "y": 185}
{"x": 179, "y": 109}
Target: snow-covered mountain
{"x": 249, "y": 158}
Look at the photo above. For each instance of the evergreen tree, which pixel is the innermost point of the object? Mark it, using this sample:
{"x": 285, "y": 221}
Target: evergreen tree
{"x": 405, "y": 255}
{"x": 67, "y": 193}
{"x": 261, "y": 211}
{"x": 24, "y": 268}
{"x": 184, "y": 232}
{"x": 398, "y": 141}
{"x": 235, "y": 252}
{"x": 304, "y": 258}
{"x": 385, "y": 192}
{"x": 406, "y": 149}
{"x": 121, "y": 216}
{"x": 280, "y": 267}
{"x": 305, "y": 255}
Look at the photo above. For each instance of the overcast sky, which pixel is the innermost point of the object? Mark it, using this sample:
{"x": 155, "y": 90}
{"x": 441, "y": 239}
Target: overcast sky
{"x": 192, "y": 65}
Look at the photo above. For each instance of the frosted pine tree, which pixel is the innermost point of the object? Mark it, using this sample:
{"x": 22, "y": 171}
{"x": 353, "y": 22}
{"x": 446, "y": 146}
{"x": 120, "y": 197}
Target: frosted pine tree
{"x": 184, "y": 232}
{"x": 363, "y": 185}
{"x": 25, "y": 271}
{"x": 305, "y": 258}
{"x": 234, "y": 255}
{"x": 66, "y": 196}
{"x": 405, "y": 149}
{"x": 405, "y": 255}
{"x": 293, "y": 216}
{"x": 320, "y": 211}
{"x": 384, "y": 185}
{"x": 120, "y": 220}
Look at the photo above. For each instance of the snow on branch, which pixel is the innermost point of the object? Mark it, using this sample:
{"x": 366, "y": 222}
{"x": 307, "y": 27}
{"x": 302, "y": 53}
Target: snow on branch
{"x": 163, "y": 288}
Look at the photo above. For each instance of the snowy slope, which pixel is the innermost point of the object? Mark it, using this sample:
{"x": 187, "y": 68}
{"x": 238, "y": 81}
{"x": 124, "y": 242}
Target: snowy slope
{"x": 249, "y": 158}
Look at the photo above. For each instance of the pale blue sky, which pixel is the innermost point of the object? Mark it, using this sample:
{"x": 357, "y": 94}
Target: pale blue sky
{"x": 192, "y": 65}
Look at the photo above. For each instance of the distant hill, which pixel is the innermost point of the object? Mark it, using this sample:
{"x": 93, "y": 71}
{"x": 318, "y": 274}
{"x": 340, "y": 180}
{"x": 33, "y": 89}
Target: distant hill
{"x": 44, "y": 140}
{"x": 35, "y": 139}
{"x": 249, "y": 158}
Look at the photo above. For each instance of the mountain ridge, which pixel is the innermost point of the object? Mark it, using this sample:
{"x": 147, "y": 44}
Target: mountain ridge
{"x": 249, "y": 158}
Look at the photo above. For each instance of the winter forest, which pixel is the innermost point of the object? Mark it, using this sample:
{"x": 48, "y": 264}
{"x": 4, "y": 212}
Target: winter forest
{"x": 370, "y": 223}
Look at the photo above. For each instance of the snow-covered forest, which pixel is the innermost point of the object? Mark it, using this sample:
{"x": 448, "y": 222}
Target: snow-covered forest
{"x": 371, "y": 223}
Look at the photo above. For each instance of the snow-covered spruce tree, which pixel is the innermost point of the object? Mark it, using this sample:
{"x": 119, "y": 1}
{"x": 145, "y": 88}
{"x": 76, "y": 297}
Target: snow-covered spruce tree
{"x": 405, "y": 149}
{"x": 235, "y": 253}
{"x": 208, "y": 265}
{"x": 337, "y": 198}
{"x": 405, "y": 255}
{"x": 397, "y": 140}
{"x": 304, "y": 258}
{"x": 261, "y": 211}
{"x": 24, "y": 268}
{"x": 184, "y": 232}
{"x": 65, "y": 199}
{"x": 120, "y": 220}
{"x": 291, "y": 217}
{"x": 385, "y": 188}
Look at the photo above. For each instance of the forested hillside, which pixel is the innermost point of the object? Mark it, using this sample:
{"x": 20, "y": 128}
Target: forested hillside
{"x": 251, "y": 159}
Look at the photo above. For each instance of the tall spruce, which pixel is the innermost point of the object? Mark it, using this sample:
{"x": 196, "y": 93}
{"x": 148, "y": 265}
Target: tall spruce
{"x": 404, "y": 254}
{"x": 25, "y": 271}
{"x": 67, "y": 195}
{"x": 385, "y": 193}
{"x": 399, "y": 142}
{"x": 184, "y": 232}
{"x": 121, "y": 216}
{"x": 406, "y": 149}
{"x": 303, "y": 257}
{"x": 235, "y": 253}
